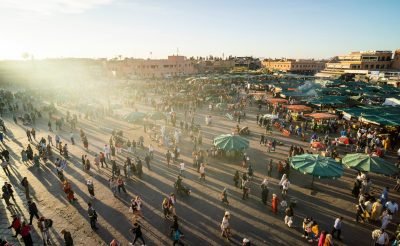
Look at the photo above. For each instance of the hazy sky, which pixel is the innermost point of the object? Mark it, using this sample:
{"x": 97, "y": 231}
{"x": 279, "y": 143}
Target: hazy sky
{"x": 134, "y": 28}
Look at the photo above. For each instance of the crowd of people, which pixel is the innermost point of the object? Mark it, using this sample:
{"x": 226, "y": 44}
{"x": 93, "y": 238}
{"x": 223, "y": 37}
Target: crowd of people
{"x": 123, "y": 158}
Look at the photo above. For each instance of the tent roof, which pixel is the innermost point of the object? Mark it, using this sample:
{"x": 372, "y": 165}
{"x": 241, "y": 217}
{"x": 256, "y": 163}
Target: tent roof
{"x": 298, "y": 108}
{"x": 379, "y": 115}
{"x": 322, "y": 116}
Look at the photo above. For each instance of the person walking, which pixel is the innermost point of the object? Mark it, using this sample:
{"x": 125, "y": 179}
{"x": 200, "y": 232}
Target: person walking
{"x": 181, "y": 168}
{"x": 28, "y": 134}
{"x": 44, "y": 225}
{"x": 24, "y": 156}
{"x": 97, "y": 162}
{"x": 68, "y": 241}
{"x": 246, "y": 188}
{"x": 285, "y": 187}
{"x": 7, "y": 187}
{"x": 139, "y": 169}
{"x": 4, "y": 165}
{"x": 33, "y": 133}
{"x": 289, "y": 216}
{"x": 225, "y": 226}
{"x": 113, "y": 186}
{"x": 25, "y": 184}
{"x": 274, "y": 203}
{"x": 90, "y": 186}
{"x": 136, "y": 206}
{"x": 236, "y": 178}
{"x": 16, "y": 225}
{"x": 6, "y": 154}
{"x": 168, "y": 157}
{"x": 33, "y": 211}
{"x": 107, "y": 151}
{"x": 113, "y": 168}
{"x": 270, "y": 167}
{"x": 337, "y": 227}
{"x": 202, "y": 171}
{"x": 147, "y": 160}
{"x": 92, "y": 216}
{"x": 102, "y": 159}
{"x": 264, "y": 191}
{"x": 26, "y": 234}
{"x": 175, "y": 225}
{"x": 71, "y": 135}
{"x": 137, "y": 232}
{"x": 224, "y": 196}
{"x": 121, "y": 185}
{"x": 50, "y": 140}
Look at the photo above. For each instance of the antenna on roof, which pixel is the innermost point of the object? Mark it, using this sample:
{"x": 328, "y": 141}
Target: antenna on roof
{"x": 177, "y": 51}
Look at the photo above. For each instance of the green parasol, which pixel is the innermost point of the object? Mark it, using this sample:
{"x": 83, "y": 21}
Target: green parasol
{"x": 134, "y": 117}
{"x": 317, "y": 166}
{"x": 221, "y": 105}
{"x": 156, "y": 115}
{"x": 367, "y": 163}
{"x": 231, "y": 142}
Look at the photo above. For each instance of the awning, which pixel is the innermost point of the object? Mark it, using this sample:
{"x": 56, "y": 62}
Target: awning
{"x": 322, "y": 116}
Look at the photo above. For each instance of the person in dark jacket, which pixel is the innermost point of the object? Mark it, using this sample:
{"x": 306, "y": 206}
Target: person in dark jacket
{"x": 67, "y": 238}
{"x": 137, "y": 231}
{"x": 33, "y": 211}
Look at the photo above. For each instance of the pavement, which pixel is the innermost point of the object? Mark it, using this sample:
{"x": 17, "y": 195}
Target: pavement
{"x": 201, "y": 213}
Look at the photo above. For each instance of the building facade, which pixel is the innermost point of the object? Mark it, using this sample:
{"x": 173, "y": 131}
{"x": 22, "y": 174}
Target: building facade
{"x": 130, "y": 68}
{"x": 362, "y": 60}
{"x": 247, "y": 62}
{"x": 214, "y": 66}
{"x": 396, "y": 60}
{"x": 360, "y": 63}
{"x": 294, "y": 66}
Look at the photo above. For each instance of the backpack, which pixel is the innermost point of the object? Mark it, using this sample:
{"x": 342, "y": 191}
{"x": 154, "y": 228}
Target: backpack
{"x": 48, "y": 223}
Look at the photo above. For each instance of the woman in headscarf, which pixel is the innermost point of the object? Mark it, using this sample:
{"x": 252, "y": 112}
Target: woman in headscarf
{"x": 264, "y": 191}
{"x": 225, "y": 229}
{"x": 376, "y": 210}
{"x": 282, "y": 180}
{"x": 322, "y": 238}
{"x": 274, "y": 203}
{"x": 328, "y": 240}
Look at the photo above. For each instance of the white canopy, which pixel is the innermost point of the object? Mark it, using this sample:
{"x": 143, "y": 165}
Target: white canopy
{"x": 391, "y": 102}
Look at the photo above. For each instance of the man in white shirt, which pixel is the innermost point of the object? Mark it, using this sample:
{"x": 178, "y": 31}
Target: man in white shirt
{"x": 181, "y": 168}
{"x": 337, "y": 227}
{"x": 107, "y": 151}
{"x": 151, "y": 150}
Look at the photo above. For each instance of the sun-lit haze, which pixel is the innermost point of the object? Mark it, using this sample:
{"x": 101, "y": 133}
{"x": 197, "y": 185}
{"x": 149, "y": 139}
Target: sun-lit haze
{"x": 155, "y": 29}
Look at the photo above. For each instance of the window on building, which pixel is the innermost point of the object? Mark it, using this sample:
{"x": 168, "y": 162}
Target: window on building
{"x": 366, "y": 66}
{"x": 372, "y": 66}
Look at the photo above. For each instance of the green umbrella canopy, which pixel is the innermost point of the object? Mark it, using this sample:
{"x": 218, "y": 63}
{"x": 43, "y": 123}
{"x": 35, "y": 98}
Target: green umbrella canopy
{"x": 221, "y": 105}
{"x": 211, "y": 99}
{"x": 231, "y": 142}
{"x": 134, "y": 116}
{"x": 367, "y": 163}
{"x": 317, "y": 166}
{"x": 156, "y": 115}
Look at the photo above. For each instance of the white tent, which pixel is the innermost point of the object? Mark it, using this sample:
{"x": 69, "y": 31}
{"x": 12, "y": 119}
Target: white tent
{"x": 391, "y": 102}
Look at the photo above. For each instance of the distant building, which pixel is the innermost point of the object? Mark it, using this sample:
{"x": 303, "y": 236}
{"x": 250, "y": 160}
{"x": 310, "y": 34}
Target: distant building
{"x": 360, "y": 63}
{"x": 247, "y": 62}
{"x": 396, "y": 60}
{"x": 214, "y": 66}
{"x": 302, "y": 66}
{"x": 130, "y": 68}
